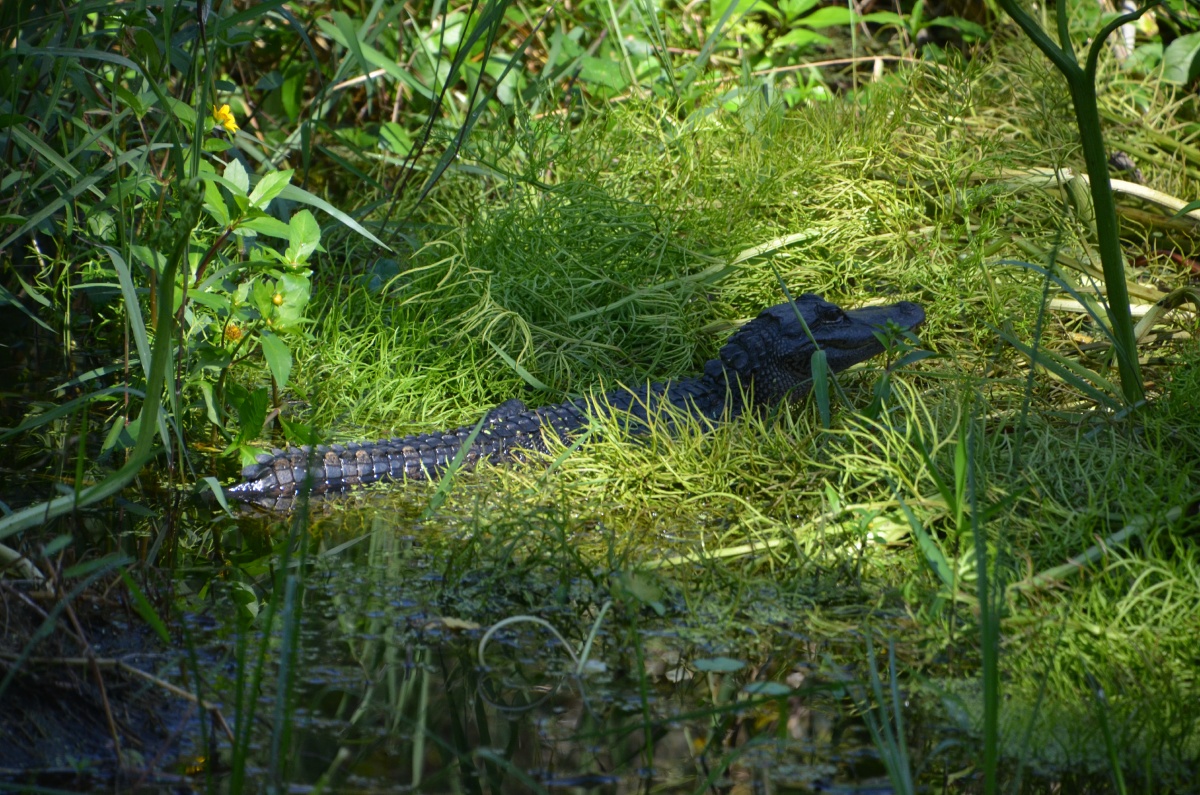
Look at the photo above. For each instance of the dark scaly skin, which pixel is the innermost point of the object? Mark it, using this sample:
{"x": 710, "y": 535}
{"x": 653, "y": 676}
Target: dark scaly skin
{"x": 766, "y": 361}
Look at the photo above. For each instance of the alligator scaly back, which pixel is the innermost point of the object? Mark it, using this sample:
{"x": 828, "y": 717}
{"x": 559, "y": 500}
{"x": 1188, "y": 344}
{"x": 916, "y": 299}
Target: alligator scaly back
{"x": 764, "y": 362}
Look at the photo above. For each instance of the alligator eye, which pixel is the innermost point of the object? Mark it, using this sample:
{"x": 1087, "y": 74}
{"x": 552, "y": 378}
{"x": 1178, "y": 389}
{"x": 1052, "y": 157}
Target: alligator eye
{"x": 830, "y": 314}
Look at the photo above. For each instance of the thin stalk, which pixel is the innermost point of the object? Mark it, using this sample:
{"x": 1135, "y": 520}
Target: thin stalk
{"x": 1081, "y": 81}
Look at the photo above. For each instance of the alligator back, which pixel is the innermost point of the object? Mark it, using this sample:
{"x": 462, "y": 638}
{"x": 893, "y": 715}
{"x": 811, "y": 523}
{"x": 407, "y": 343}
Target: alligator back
{"x": 766, "y": 361}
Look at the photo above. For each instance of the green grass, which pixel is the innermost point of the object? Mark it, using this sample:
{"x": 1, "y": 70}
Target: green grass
{"x": 776, "y": 503}
{"x": 621, "y": 241}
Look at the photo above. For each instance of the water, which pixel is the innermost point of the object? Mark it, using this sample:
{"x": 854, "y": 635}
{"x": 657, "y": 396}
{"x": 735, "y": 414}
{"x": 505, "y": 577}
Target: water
{"x": 394, "y": 687}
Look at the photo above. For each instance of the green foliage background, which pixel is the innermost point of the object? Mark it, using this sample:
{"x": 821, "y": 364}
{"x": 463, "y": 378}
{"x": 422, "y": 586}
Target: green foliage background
{"x": 426, "y": 210}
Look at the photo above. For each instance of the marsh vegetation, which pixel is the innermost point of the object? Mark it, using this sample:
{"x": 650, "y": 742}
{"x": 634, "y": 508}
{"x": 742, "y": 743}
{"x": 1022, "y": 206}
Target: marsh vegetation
{"x": 968, "y": 566}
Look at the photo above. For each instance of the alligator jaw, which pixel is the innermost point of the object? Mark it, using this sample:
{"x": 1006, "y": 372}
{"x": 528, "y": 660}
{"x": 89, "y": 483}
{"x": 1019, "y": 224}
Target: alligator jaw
{"x": 771, "y": 356}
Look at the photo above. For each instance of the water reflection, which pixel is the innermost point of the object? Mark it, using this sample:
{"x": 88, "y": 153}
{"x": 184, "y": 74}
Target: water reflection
{"x": 392, "y": 691}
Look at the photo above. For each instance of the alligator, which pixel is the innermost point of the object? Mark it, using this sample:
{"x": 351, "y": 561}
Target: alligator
{"x": 765, "y": 362}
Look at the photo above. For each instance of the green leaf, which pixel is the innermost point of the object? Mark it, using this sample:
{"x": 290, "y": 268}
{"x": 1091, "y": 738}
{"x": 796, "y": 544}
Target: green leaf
{"x": 767, "y": 689}
{"x": 237, "y": 180}
{"x": 57, "y": 545}
{"x": 819, "y": 366}
{"x": 278, "y": 357}
{"x": 147, "y": 47}
{"x": 970, "y": 30}
{"x": 304, "y": 236}
{"x": 267, "y": 225}
{"x": 719, "y": 665}
{"x": 251, "y": 410}
{"x": 827, "y": 17}
{"x": 884, "y": 18}
{"x": 145, "y": 609}
{"x": 109, "y": 561}
{"x": 294, "y": 289}
{"x": 1187, "y": 208}
{"x": 526, "y": 376}
{"x": 260, "y": 295}
{"x": 217, "y": 491}
{"x": 794, "y": 8}
{"x": 182, "y": 111}
{"x": 292, "y": 193}
{"x": 602, "y": 71}
{"x": 292, "y": 93}
{"x": 396, "y": 137}
{"x": 929, "y": 547}
{"x": 214, "y": 203}
{"x": 1181, "y": 61}
{"x": 719, "y": 8}
{"x": 798, "y": 37}
{"x": 245, "y": 598}
{"x": 269, "y": 187}
{"x": 299, "y": 433}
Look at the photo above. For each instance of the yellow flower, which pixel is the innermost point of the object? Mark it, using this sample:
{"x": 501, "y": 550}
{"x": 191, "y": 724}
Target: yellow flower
{"x": 224, "y": 117}
{"x": 233, "y": 332}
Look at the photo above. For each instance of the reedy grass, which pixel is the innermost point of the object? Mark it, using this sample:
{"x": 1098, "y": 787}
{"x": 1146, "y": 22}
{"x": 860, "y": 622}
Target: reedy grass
{"x": 877, "y": 198}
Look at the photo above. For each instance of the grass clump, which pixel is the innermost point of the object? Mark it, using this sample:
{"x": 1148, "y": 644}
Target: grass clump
{"x": 564, "y": 254}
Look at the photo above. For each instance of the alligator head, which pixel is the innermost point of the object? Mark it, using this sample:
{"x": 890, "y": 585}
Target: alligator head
{"x": 773, "y": 352}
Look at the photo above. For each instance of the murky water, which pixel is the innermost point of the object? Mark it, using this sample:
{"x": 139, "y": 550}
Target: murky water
{"x": 405, "y": 678}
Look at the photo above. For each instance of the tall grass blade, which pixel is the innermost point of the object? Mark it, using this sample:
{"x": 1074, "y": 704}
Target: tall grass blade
{"x": 989, "y": 597}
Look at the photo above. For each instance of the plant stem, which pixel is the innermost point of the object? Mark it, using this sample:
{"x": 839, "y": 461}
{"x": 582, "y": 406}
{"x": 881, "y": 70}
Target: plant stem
{"x": 1081, "y": 83}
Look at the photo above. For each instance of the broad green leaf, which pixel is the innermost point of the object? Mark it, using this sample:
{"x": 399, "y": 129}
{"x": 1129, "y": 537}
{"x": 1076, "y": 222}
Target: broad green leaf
{"x": 292, "y": 93}
{"x": 884, "y": 18}
{"x": 304, "y": 237}
{"x": 133, "y": 101}
{"x": 292, "y": 293}
{"x": 827, "y": 17}
{"x": 798, "y": 37}
{"x": 212, "y": 300}
{"x": 794, "y": 8}
{"x": 396, "y": 137}
{"x": 183, "y": 111}
{"x": 299, "y": 433}
{"x": 147, "y": 47}
{"x": 245, "y": 598}
{"x": 236, "y": 178}
{"x": 278, "y": 357}
{"x": 214, "y": 203}
{"x": 718, "y": 8}
{"x": 1181, "y": 61}
{"x": 260, "y": 295}
{"x": 267, "y": 225}
{"x": 602, "y": 71}
{"x": 269, "y": 187}
{"x": 251, "y": 410}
